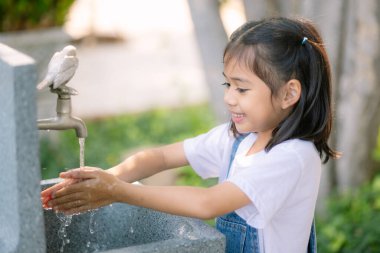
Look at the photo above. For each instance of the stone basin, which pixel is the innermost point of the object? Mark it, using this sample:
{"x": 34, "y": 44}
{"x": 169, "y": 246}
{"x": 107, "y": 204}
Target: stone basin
{"x": 124, "y": 228}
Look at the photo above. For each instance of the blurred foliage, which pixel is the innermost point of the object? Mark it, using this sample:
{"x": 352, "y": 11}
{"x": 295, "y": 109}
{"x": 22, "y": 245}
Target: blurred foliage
{"x": 187, "y": 176}
{"x": 25, "y": 14}
{"x": 376, "y": 152}
{"x": 111, "y": 139}
{"x": 351, "y": 224}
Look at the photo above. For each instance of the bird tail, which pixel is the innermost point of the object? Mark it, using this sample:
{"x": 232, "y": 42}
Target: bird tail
{"x": 43, "y": 84}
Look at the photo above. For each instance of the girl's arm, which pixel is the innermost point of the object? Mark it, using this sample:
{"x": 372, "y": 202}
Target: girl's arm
{"x": 202, "y": 203}
{"x": 149, "y": 162}
{"x": 101, "y": 189}
{"x": 138, "y": 166}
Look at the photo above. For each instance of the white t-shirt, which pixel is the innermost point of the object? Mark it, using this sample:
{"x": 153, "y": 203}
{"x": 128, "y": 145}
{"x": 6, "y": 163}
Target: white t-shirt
{"x": 282, "y": 184}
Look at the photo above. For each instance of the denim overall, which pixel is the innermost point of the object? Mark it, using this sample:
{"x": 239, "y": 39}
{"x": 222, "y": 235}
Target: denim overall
{"x": 242, "y": 238}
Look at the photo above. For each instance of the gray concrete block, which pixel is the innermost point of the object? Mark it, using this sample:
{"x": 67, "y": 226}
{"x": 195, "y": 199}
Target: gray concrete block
{"x": 21, "y": 220}
{"x": 122, "y": 228}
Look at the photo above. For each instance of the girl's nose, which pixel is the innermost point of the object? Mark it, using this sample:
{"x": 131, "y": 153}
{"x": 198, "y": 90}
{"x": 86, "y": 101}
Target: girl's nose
{"x": 229, "y": 97}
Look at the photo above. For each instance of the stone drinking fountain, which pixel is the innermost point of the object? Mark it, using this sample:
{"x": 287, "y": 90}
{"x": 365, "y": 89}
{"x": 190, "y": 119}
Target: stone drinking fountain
{"x": 26, "y": 228}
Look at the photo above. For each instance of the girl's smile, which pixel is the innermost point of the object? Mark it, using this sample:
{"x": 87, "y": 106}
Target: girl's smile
{"x": 237, "y": 117}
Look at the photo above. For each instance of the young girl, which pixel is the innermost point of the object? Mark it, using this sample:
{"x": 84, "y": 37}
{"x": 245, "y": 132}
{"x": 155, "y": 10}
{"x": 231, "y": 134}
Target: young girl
{"x": 268, "y": 158}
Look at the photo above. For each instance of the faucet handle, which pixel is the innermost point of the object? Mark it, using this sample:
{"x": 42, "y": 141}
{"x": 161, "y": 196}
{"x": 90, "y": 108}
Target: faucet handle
{"x": 64, "y": 91}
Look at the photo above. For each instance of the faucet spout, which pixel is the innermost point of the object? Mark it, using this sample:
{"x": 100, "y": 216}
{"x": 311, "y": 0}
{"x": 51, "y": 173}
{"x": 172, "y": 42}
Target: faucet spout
{"x": 64, "y": 123}
{"x": 64, "y": 120}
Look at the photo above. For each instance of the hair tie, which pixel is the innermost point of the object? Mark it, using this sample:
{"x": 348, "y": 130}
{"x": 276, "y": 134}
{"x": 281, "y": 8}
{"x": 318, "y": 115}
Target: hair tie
{"x": 304, "y": 40}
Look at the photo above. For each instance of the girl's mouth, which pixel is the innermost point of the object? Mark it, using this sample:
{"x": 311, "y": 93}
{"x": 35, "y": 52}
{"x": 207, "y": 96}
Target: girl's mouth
{"x": 237, "y": 117}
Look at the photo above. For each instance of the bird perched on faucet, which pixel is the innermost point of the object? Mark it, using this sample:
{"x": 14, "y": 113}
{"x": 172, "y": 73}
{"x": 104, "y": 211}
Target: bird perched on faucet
{"x": 61, "y": 69}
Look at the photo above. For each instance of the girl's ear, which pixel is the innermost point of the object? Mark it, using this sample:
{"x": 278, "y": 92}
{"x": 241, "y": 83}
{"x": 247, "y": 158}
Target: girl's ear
{"x": 291, "y": 93}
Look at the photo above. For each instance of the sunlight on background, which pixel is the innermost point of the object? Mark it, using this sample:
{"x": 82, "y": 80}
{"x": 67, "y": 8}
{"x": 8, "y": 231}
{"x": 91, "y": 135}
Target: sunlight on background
{"x": 128, "y": 17}
{"x": 150, "y": 60}
{"x": 233, "y": 16}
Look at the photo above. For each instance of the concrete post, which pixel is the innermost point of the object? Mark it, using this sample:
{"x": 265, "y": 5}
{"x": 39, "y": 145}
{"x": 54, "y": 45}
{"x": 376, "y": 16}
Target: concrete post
{"x": 21, "y": 216}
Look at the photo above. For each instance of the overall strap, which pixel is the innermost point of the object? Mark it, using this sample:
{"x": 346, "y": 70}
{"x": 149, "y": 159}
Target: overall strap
{"x": 312, "y": 246}
{"x": 235, "y": 146}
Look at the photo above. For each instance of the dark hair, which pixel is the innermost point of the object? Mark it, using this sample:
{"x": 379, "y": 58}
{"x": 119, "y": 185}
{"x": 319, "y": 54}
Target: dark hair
{"x": 276, "y": 51}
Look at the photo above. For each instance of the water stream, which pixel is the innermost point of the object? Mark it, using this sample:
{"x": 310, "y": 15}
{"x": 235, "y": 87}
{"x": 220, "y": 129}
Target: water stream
{"x": 81, "y": 152}
{"x": 65, "y": 220}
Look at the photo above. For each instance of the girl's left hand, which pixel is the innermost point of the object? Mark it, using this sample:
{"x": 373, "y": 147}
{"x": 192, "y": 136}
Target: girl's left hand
{"x": 97, "y": 189}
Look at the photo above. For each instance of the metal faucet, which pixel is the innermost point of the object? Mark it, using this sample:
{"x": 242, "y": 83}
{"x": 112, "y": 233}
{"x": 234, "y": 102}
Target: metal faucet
{"x": 64, "y": 120}
{"x": 61, "y": 69}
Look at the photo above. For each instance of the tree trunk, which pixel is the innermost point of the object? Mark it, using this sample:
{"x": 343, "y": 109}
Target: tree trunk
{"x": 351, "y": 31}
{"x": 330, "y": 17}
{"x": 258, "y": 9}
{"x": 358, "y": 101}
{"x": 255, "y": 9}
{"x": 212, "y": 39}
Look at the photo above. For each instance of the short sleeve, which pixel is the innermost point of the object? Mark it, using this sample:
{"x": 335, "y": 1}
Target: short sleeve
{"x": 207, "y": 153}
{"x": 268, "y": 181}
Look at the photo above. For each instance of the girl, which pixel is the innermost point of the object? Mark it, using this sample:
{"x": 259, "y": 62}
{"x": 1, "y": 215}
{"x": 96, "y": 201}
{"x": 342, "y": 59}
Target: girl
{"x": 268, "y": 158}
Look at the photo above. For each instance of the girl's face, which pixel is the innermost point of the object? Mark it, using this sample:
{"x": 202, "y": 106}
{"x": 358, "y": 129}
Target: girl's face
{"x": 250, "y": 101}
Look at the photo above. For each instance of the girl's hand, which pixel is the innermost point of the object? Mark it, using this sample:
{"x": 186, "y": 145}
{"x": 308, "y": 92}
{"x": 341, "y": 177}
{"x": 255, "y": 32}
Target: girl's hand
{"x": 48, "y": 193}
{"x": 97, "y": 188}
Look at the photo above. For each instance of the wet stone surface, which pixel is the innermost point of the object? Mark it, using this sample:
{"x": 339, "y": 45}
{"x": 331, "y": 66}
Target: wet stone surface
{"x": 124, "y": 228}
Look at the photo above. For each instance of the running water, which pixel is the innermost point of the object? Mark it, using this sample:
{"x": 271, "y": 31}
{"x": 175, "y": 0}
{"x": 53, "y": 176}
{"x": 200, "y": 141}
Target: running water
{"x": 65, "y": 220}
{"x": 92, "y": 223}
{"x": 91, "y": 227}
{"x": 81, "y": 152}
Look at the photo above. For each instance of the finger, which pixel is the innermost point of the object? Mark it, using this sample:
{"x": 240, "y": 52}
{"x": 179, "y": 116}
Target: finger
{"x": 86, "y": 207}
{"x": 77, "y": 210}
{"x": 69, "y": 205}
{"x": 51, "y": 195}
{"x": 46, "y": 206}
{"x": 44, "y": 201}
{"x": 49, "y": 191}
{"x": 71, "y": 189}
{"x": 65, "y": 199}
{"x": 80, "y": 173}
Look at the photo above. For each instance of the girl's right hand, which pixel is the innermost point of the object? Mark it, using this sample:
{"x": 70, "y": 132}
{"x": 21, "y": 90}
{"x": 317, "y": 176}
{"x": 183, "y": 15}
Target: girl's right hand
{"x": 48, "y": 193}
{"x": 96, "y": 188}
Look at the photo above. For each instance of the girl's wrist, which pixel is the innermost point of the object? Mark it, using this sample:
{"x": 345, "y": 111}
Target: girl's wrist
{"x": 115, "y": 171}
{"x": 121, "y": 190}
{"x": 120, "y": 172}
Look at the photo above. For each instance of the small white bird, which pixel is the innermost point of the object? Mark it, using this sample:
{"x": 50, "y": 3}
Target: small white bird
{"x": 61, "y": 69}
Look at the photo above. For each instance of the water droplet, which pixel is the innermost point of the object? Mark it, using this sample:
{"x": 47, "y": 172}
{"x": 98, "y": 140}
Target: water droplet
{"x": 92, "y": 222}
{"x": 131, "y": 230}
{"x": 65, "y": 221}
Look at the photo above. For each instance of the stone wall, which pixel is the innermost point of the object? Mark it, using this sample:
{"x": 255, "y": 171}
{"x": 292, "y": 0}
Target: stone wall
{"x": 21, "y": 216}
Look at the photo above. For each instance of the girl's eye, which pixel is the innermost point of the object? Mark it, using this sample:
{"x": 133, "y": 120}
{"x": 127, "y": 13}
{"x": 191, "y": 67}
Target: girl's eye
{"x": 240, "y": 90}
{"x": 227, "y": 85}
